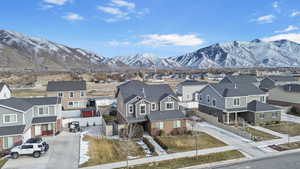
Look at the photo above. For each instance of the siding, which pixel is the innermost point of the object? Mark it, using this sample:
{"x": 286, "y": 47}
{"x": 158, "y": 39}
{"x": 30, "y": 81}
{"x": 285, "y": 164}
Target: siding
{"x": 9, "y": 111}
{"x": 188, "y": 91}
{"x": 230, "y": 100}
{"x": 267, "y": 117}
{"x": 220, "y": 101}
{"x": 162, "y": 105}
{"x": 66, "y": 99}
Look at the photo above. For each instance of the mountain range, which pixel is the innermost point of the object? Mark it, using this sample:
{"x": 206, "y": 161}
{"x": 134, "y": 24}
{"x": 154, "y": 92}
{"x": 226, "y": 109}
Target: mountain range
{"x": 19, "y": 52}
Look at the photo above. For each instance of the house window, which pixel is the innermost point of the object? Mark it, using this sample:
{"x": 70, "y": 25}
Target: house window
{"x": 208, "y": 98}
{"x": 170, "y": 106}
{"x": 214, "y": 102}
{"x": 43, "y": 111}
{"x": 153, "y": 106}
{"x": 60, "y": 94}
{"x": 71, "y": 94}
{"x": 130, "y": 108}
{"x": 261, "y": 115}
{"x": 177, "y": 124}
{"x": 236, "y": 101}
{"x": 9, "y": 118}
{"x": 274, "y": 115}
{"x": 82, "y": 93}
{"x": 8, "y": 142}
{"x": 262, "y": 99}
{"x": 70, "y": 103}
{"x": 76, "y": 104}
{"x": 52, "y": 109}
{"x": 200, "y": 97}
{"x": 160, "y": 125}
{"x": 143, "y": 109}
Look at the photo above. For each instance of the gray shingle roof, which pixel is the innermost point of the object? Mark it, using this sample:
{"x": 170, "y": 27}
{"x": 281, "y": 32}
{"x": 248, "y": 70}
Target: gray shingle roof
{"x": 192, "y": 82}
{"x": 291, "y": 88}
{"x": 165, "y": 115}
{"x": 153, "y": 93}
{"x": 12, "y": 130}
{"x": 43, "y": 100}
{"x": 16, "y": 103}
{"x": 242, "y": 78}
{"x": 46, "y": 119}
{"x": 231, "y": 90}
{"x": 136, "y": 119}
{"x": 66, "y": 85}
{"x": 282, "y": 78}
{"x": 255, "y": 106}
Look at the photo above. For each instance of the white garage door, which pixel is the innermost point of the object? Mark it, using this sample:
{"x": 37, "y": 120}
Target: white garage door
{"x": 27, "y": 135}
{"x": 38, "y": 130}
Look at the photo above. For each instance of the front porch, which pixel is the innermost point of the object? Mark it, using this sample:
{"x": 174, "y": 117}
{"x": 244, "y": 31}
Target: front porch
{"x": 234, "y": 118}
{"x": 45, "y": 129}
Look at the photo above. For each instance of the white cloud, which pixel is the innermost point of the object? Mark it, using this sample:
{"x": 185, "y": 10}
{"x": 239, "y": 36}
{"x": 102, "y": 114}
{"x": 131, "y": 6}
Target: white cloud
{"x": 288, "y": 29}
{"x": 295, "y": 13}
{"x": 112, "y": 11}
{"x": 265, "y": 19}
{"x": 73, "y": 17}
{"x": 117, "y": 43}
{"x": 122, "y": 3}
{"x": 56, "y": 2}
{"x": 295, "y": 37}
{"x": 171, "y": 39}
{"x": 275, "y": 4}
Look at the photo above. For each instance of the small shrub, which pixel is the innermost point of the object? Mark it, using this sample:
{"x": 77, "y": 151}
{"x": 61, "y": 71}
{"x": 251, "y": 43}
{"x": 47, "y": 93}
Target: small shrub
{"x": 161, "y": 143}
{"x": 162, "y": 133}
{"x": 178, "y": 131}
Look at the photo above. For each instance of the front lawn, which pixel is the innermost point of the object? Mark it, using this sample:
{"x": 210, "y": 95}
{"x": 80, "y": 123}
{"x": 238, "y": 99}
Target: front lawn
{"x": 285, "y": 127}
{"x": 191, "y": 161}
{"x": 105, "y": 150}
{"x": 260, "y": 135}
{"x": 187, "y": 142}
{"x": 2, "y": 162}
{"x": 290, "y": 146}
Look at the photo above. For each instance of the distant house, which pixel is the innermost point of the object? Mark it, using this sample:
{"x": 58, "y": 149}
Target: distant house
{"x": 272, "y": 81}
{"x": 5, "y": 91}
{"x": 240, "y": 79}
{"x": 187, "y": 89}
{"x": 232, "y": 102}
{"x": 24, "y": 118}
{"x": 155, "y": 107}
{"x": 285, "y": 95}
{"x": 72, "y": 93}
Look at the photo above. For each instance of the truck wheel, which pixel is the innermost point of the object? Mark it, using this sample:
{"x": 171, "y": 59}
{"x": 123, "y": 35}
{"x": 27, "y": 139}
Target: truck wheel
{"x": 36, "y": 154}
{"x": 15, "y": 155}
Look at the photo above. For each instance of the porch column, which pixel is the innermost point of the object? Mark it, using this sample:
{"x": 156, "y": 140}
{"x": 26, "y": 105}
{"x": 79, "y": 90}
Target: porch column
{"x": 227, "y": 118}
{"x": 236, "y": 121}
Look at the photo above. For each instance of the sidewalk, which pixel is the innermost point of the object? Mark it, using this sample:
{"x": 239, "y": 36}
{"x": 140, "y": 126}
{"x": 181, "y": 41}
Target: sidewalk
{"x": 268, "y": 131}
{"x": 288, "y": 117}
{"x": 162, "y": 157}
{"x": 158, "y": 149}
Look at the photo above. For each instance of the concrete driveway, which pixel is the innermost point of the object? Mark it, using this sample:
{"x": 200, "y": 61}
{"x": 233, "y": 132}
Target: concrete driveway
{"x": 63, "y": 154}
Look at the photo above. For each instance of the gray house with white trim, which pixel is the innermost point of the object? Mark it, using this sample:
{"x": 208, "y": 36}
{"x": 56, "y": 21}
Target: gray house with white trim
{"x": 233, "y": 102}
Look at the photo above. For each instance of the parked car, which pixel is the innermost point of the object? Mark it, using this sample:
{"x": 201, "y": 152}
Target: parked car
{"x": 39, "y": 141}
{"x": 34, "y": 149}
{"x": 74, "y": 127}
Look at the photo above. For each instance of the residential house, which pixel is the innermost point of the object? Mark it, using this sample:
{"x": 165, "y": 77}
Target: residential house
{"x": 155, "y": 107}
{"x": 187, "y": 90}
{"x": 272, "y": 81}
{"x": 24, "y": 118}
{"x": 231, "y": 103}
{"x": 5, "y": 91}
{"x": 244, "y": 79}
{"x": 72, "y": 93}
{"x": 285, "y": 95}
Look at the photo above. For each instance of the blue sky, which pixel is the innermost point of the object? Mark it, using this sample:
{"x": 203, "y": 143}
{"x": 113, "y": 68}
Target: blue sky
{"x": 162, "y": 27}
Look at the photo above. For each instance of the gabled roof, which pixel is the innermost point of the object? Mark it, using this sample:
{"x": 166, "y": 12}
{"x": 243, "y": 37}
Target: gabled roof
{"x": 165, "y": 115}
{"x": 291, "y": 88}
{"x": 255, "y": 106}
{"x": 232, "y": 90}
{"x": 12, "y": 130}
{"x": 2, "y": 84}
{"x": 46, "y": 119}
{"x": 282, "y": 78}
{"x": 43, "y": 100}
{"x": 152, "y": 93}
{"x": 192, "y": 83}
{"x": 66, "y": 85}
{"x": 241, "y": 78}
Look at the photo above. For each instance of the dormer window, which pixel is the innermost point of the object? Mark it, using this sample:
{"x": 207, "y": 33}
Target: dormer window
{"x": 143, "y": 109}
{"x": 153, "y": 106}
{"x": 170, "y": 106}
{"x": 131, "y": 108}
{"x": 236, "y": 101}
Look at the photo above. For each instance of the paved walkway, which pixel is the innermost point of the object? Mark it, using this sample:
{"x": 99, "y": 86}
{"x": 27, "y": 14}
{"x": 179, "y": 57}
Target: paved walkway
{"x": 268, "y": 131}
{"x": 158, "y": 149}
{"x": 163, "y": 157}
{"x": 288, "y": 117}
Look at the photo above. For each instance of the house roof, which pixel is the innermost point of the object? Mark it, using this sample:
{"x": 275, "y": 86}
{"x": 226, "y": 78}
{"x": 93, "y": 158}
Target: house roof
{"x": 153, "y": 93}
{"x": 242, "y": 78}
{"x": 46, "y": 119}
{"x": 43, "y": 100}
{"x": 193, "y": 83}
{"x": 66, "y": 85}
{"x": 165, "y": 115}
{"x": 259, "y": 106}
{"x": 2, "y": 84}
{"x": 282, "y": 78}
{"x": 16, "y": 103}
{"x": 12, "y": 130}
{"x": 291, "y": 88}
{"x": 232, "y": 90}
{"x": 136, "y": 119}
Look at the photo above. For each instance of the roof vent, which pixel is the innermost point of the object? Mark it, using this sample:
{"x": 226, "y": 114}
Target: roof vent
{"x": 144, "y": 94}
{"x": 235, "y": 86}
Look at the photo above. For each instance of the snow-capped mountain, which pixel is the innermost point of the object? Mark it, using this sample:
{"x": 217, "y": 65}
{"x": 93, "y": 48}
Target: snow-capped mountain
{"x": 19, "y": 51}
{"x": 147, "y": 60}
{"x": 281, "y": 53}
